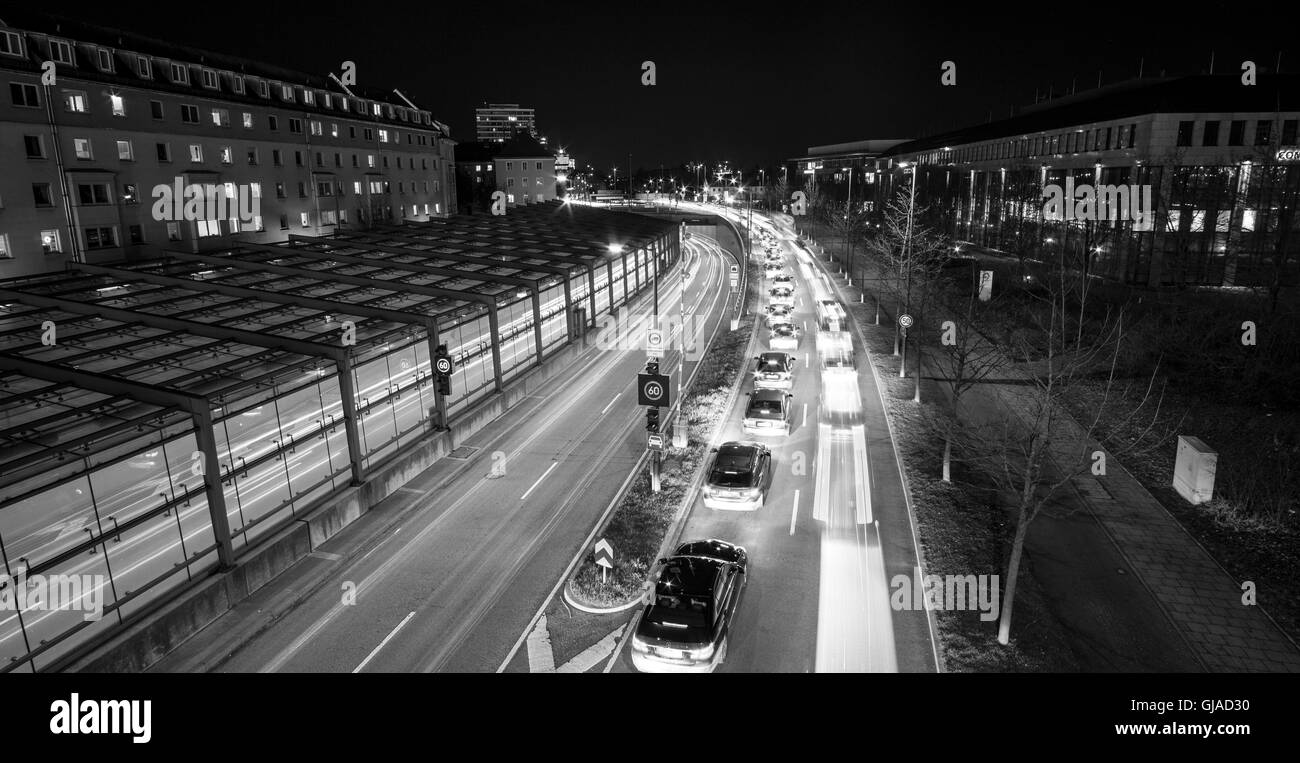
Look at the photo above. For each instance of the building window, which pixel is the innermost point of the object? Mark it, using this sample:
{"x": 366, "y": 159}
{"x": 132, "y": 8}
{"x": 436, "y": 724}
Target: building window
{"x": 75, "y": 101}
{"x": 286, "y": 92}
{"x": 309, "y": 97}
{"x": 320, "y": 161}
{"x": 227, "y": 155}
{"x": 277, "y": 158}
{"x": 92, "y": 193}
{"x": 385, "y": 162}
{"x": 248, "y": 120}
{"x": 297, "y": 158}
{"x": 105, "y": 60}
{"x": 284, "y": 222}
{"x": 11, "y": 44}
{"x": 4, "y": 247}
{"x": 180, "y": 75}
{"x": 156, "y": 109}
{"x": 83, "y": 148}
{"x": 221, "y": 117}
{"x": 1237, "y": 132}
{"x": 273, "y": 122}
{"x": 50, "y": 243}
{"x": 510, "y": 166}
{"x": 279, "y": 190}
{"x": 352, "y": 131}
{"x": 173, "y": 231}
{"x": 338, "y": 160}
{"x": 327, "y": 217}
{"x": 295, "y": 125}
{"x": 383, "y": 135}
{"x": 101, "y": 238}
{"x": 189, "y": 114}
{"x": 252, "y": 156}
{"x": 306, "y": 220}
{"x": 61, "y": 52}
{"x": 196, "y": 152}
{"x": 35, "y": 145}
{"x": 368, "y": 134}
{"x": 1263, "y": 132}
{"x": 1289, "y": 132}
{"x": 41, "y": 195}
{"x": 334, "y": 129}
{"x": 356, "y": 187}
{"x": 118, "y": 104}
{"x": 143, "y": 68}
{"x": 24, "y": 95}
{"x": 129, "y": 194}
{"x": 343, "y": 215}
{"x": 210, "y": 79}
{"x": 510, "y": 182}
{"x": 316, "y": 128}
{"x": 324, "y": 189}
{"x": 354, "y": 161}
{"x": 164, "y": 151}
{"x": 125, "y": 151}
{"x": 302, "y": 190}
{"x": 136, "y": 234}
{"x": 209, "y": 228}
{"x": 370, "y": 160}
{"x": 264, "y": 89}
{"x": 1211, "y": 135}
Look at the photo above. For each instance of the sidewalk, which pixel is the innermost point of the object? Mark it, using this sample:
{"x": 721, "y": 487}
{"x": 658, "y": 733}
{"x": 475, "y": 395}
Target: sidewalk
{"x": 1198, "y": 597}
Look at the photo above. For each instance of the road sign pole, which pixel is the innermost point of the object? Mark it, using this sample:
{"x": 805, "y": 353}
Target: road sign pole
{"x": 654, "y": 472}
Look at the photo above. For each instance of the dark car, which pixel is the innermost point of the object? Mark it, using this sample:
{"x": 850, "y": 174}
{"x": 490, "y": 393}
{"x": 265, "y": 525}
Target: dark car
{"x": 739, "y": 476}
{"x": 684, "y": 628}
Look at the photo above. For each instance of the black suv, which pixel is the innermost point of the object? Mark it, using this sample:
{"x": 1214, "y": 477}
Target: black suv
{"x": 684, "y": 628}
{"x": 739, "y": 477}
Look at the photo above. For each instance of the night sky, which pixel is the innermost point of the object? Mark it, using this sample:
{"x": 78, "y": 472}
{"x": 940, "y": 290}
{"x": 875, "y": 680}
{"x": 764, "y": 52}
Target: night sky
{"x": 734, "y": 82}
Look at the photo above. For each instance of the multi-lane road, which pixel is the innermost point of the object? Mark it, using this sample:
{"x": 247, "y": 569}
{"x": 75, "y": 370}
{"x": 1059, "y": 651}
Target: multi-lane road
{"x": 450, "y": 585}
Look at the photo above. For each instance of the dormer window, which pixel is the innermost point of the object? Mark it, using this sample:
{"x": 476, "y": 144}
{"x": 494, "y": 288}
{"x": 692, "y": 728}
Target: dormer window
{"x": 286, "y": 92}
{"x": 210, "y": 79}
{"x": 180, "y": 74}
{"x": 105, "y": 60}
{"x": 143, "y": 68}
{"x": 308, "y": 97}
{"x": 11, "y": 43}
{"x": 237, "y": 84}
{"x": 61, "y": 52}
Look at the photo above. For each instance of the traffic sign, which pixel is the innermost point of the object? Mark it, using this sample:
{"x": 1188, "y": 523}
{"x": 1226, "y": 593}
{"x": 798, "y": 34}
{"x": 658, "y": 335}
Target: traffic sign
{"x": 655, "y": 441}
{"x": 604, "y": 557}
{"x": 444, "y": 365}
{"x": 905, "y": 321}
{"x": 655, "y": 342}
{"x": 652, "y": 389}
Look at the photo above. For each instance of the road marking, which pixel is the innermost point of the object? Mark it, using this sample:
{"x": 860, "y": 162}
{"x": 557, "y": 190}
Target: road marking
{"x": 541, "y": 658}
{"x": 611, "y": 405}
{"x": 539, "y": 480}
{"x": 326, "y": 555}
{"x": 387, "y": 638}
{"x": 805, "y": 414}
{"x": 794, "y": 512}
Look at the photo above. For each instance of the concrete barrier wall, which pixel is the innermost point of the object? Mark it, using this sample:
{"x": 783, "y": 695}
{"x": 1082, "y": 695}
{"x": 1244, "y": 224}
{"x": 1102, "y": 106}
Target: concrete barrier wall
{"x": 152, "y": 636}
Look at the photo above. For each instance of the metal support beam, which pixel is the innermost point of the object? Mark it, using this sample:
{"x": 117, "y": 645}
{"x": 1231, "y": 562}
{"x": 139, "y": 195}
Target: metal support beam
{"x": 537, "y": 321}
{"x": 348, "y": 396}
{"x": 196, "y": 405}
{"x": 494, "y": 328}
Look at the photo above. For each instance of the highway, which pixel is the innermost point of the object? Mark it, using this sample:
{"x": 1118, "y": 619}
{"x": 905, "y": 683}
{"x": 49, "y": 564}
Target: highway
{"x": 451, "y": 585}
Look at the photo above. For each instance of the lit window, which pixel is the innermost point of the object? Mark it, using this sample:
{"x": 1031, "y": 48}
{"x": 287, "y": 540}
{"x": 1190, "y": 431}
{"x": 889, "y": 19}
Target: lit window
{"x": 196, "y": 152}
{"x": 286, "y": 92}
{"x": 334, "y": 128}
{"x": 209, "y": 228}
{"x": 75, "y": 101}
{"x": 50, "y": 242}
{"x": 316, "y": 128}
{"x": 309, "y": 97}
{"x": 248, "y": 120}
{"x": 221, "y": 117}
{"x": 306, "y": 220}
{"x": 83, "y": 148}
{"x": 173, "y": 231}
{"x": 4, "y": 246}
{"x": 124, "y": 151}
{"x": 227, "y": 155}
{"x": 356, "y": 187}
{"x": 383, "y": 136}
{"x": 370, "y": 160}
{"x": 1248, "y": 220}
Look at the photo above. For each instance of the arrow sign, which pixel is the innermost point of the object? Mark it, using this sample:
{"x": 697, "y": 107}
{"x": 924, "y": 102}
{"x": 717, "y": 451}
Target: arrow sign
{"x": 604, "y": 557}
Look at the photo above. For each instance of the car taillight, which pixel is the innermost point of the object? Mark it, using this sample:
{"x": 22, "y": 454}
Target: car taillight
{"x": 703, "y": 653}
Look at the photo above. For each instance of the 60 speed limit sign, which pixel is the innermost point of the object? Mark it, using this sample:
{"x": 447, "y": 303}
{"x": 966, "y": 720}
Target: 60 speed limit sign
{"x": 652, "y": 389}
{"x": 444, "y": 365}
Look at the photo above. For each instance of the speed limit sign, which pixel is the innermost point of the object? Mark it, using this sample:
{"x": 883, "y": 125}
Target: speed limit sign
{"x": 905, "y": 321}
{"x": 444, "y": 365}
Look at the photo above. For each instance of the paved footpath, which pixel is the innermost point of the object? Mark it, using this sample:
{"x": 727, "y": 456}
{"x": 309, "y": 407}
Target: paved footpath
{"x": 1198, "y": 596}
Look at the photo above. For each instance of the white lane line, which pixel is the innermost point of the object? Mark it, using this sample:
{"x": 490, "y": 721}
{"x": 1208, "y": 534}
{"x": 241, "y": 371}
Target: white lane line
{"x": 539, "y": 480}
{"x": 611, "y": 405}
{"x": 805, "y": 414}
{"x": 794, "y": 512}
{"x": 805, "y": 360}
{"x": 387, "y": 638}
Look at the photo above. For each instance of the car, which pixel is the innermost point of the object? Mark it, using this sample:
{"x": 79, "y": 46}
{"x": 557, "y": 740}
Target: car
{"x": 739, "y": 476}
{"x": 768, "y": 413}
{"x": 772, "y": 270}
{"x": 783, "y": 279}
{"x": 778, "y": 314}
{"x": 684, "y": 627}
{"x": 781, "y": 295}
{"x": 783, "y": 336}
{"x": 773, "y": 370}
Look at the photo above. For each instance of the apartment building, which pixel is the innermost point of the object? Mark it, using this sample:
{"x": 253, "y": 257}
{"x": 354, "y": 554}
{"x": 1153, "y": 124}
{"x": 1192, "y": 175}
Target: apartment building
{"x": 100, "y": 130}
{"x": 522, "y": 168}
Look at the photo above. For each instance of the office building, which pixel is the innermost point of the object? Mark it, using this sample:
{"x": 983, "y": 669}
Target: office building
{"x": 499, "y": 122}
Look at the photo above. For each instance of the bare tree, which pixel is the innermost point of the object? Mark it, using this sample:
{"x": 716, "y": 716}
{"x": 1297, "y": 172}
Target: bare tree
{"x": 1035, "y": 449}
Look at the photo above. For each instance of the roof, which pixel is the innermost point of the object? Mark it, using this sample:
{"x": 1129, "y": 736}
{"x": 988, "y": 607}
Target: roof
{"x": 1168, "y": 95}
{"x": 40, "y": 22}
{"x": 524, "y": 146}
{"x": 689, "y": 575}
